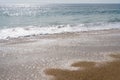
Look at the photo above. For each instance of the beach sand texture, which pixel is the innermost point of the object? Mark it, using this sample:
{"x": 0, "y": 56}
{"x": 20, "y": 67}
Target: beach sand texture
{"x": 27, "y": 58}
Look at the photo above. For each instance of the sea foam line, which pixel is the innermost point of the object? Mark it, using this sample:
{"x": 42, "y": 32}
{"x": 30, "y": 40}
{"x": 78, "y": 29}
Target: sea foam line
{"x": 33, "y": 30}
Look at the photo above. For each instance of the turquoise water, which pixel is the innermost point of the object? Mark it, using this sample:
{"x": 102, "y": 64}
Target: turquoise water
{"x": 57, "y": 18}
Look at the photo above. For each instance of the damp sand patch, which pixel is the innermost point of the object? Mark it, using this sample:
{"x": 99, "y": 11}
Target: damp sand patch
{"x": 109, "y": 71}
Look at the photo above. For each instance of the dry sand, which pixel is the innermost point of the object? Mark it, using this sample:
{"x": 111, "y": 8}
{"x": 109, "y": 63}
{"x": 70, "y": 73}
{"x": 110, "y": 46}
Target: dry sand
{"x": 26, "y": 58}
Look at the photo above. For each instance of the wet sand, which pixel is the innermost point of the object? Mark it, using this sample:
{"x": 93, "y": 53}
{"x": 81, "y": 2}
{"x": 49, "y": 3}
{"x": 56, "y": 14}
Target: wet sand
{"x": 26, "y": 58}
{"x": 108, "y": 71}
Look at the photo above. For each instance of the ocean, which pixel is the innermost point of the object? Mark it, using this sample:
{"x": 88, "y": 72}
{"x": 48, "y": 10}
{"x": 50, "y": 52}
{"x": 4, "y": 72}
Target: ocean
{"x": 20, "y": 20}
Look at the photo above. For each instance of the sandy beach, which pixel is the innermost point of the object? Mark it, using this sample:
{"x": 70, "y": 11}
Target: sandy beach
{"x": 27, "y": 58}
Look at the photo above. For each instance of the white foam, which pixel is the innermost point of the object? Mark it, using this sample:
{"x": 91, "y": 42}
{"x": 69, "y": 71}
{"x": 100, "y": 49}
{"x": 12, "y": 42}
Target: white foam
{"x": 33, "y": 30}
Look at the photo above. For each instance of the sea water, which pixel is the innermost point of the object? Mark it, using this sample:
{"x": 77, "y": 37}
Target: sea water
{"x": 18, "y": 20}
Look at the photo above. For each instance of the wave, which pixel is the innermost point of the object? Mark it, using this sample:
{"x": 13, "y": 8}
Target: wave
{"x": 36, "y": 30}
{"x": 114, "y": 20}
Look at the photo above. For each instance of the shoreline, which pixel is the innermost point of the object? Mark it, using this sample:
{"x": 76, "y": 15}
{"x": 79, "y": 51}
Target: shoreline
{"x": 55, "y": 35}
{"x": 62, "y": 33}
{"x": 27, "y": 58}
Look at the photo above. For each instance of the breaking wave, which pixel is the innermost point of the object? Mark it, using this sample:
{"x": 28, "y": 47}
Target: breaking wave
{"x": 37, "y": 30}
